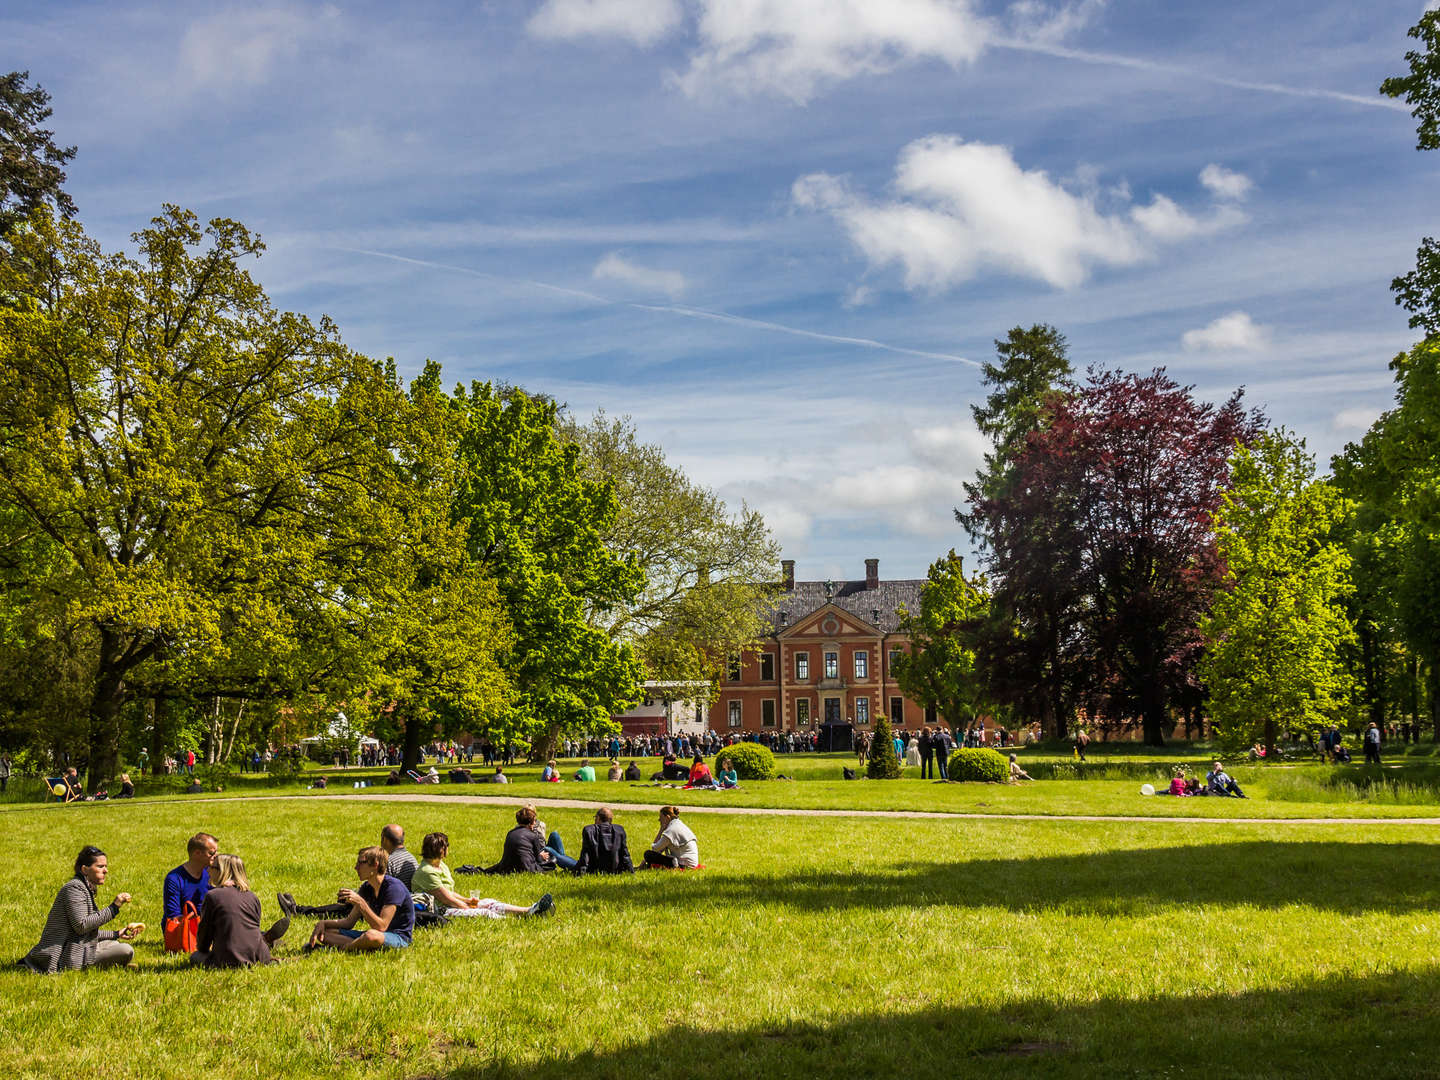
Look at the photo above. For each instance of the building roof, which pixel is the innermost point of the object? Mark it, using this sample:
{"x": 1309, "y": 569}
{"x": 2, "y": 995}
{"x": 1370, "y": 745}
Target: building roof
{"x": 852, "y": 596}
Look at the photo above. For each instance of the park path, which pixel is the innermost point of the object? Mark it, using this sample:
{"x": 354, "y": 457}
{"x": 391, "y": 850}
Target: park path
{"x": 622, "y": 807}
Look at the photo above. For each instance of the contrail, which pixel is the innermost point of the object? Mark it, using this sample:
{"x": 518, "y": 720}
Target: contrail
{"x": 670, "y": 309}
{"x": 1116, "y": 60}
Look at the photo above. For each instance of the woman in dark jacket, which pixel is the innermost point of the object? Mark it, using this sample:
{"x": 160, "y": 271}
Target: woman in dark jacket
{"x": 229, "y": 932}
{"x": 72, "y": 938}
{"x": 524, "y": 848}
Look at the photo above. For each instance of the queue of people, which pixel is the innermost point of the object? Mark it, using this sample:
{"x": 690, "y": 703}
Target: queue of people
{"x": 210, "y": 911}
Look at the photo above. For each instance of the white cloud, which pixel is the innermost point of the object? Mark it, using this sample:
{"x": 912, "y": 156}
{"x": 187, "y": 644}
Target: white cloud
{"x": 643, "y": 22}
{"x": 1233, "y": 331}
{"x": 967, "y": 207}
{"x": 1225, "y": 183}
{"x": 614, "y": 267}
{"x": 1358, "y": 419}
{"x": 239, "y": 47}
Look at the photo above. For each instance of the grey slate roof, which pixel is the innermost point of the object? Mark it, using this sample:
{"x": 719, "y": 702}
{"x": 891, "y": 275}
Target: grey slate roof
{"x": 852, "y": 596}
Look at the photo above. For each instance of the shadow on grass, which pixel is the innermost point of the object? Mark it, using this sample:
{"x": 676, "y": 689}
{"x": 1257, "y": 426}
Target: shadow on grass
{"x": 1345, "y": 878}
{"x": 1377, "y": 1026}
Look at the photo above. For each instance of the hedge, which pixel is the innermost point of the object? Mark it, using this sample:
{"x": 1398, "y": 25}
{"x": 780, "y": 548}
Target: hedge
{"x": 751, "y": 760}
{"x": 986, "y": 766}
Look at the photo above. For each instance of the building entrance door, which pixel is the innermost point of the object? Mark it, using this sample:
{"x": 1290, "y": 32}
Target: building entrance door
{"x": 832, "y": 710}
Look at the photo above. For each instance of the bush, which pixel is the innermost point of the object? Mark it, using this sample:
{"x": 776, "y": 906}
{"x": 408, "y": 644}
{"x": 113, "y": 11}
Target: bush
{"x": 986, "y": 766}
{"x": 880, "y": 762}
{"x": 751, "y": 760}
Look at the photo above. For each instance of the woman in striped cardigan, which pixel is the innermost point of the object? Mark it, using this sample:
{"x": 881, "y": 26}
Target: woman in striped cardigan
{"x": 72, "y": 938}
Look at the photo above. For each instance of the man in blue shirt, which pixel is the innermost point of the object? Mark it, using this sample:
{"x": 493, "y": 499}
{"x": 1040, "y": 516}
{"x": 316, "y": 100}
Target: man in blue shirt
{"x": 382, "y": 901}
{"x": 1220, "y": 783}
{"x": 190, "y": 881}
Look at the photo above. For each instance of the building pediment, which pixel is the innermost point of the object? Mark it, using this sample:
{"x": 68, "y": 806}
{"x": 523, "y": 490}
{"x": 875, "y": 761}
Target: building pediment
{"x": 830, "y": 621}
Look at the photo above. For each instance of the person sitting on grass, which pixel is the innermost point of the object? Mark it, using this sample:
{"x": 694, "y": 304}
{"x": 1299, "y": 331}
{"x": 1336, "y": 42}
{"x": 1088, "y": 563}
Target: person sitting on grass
{"x": 127, "y": 787}
{"x": 382, "y": 901}
{"x": 728, "y": 777}
{"x": 675, "y": 846}
{"x": 72, "y": 939}
{"x": 1220, "y": 783}
{"x": 586, "y": 772}
{"x": 500, "y": 777}
{"x": 1177, "y": 783}
{"x": 632, "y": 772}
{"x": 402, "y": 862}
{"x": 603, "y": 847}
{"x": 615, "y": 772}
{"x": 435, "y": 880}
{"x": 189, "y": 882}
{"x": 1016, "y": 772}
{"x": 1194, "y": 788}
{"x": 551, "y": 773}
{"x": 699, "y": 774}
{"x": 229, "y": 934}
{"x": 524, "y": 851}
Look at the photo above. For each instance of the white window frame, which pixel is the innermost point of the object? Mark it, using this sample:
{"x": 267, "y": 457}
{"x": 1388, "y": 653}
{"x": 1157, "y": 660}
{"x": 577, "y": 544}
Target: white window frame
{"x": 862, "y": 664}
{"x": 802, "y": 667}
{"x": 736, "y": 713}
{"x": 862, "y": 710}
{"x": 832, "y": 665}
{"x": 802, "y": 703}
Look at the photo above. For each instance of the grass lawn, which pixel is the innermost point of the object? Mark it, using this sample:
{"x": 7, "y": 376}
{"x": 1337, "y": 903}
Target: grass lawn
{"x": 856, "y": 947}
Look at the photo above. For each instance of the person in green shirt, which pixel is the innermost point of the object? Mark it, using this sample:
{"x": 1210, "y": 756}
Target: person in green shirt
{"x": 434, "y": 879}
{"x": 586, "y": 771}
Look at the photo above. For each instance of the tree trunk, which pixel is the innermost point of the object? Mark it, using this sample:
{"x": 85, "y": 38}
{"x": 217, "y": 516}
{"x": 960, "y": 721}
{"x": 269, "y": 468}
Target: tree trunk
{"x": 410, "y": 744}
{"x": 1432, "y": 687}
{"x": 104, "y": 756}
{"x": 1270, "y": 738}
{"x": 1152, "y": 713}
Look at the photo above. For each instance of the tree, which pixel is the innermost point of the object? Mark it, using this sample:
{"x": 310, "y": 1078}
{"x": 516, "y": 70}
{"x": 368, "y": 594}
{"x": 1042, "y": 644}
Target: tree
{"x": 1109, "y": 542}
{"x": 1419, "y": 290}
{"x": 221, "y": 488}
{"x": 707, "y": 572}
{"x": 881, "y": 762}
{"x": 1278, "y": 628}
{"x": 32, "y": 167}
{"x": 536, "y": 525}
{"x": 941, "y": 669}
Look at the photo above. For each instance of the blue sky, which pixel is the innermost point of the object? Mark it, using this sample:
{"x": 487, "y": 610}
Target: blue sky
{"x": 780, "y": 234}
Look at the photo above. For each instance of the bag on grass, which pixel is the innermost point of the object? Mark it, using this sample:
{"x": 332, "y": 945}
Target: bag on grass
{"x": 181, "y": 932}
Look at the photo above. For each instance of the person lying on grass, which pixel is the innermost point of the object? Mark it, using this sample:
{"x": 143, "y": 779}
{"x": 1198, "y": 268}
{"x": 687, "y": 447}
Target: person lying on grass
{"x": 675, "y": 846}
{"x": 434, "y": 880}
{"x": 382, "y": 901}
{"x": 1016, "y": 772}
{"x": 229, "y": 933}
{"x": 72, "y": 939}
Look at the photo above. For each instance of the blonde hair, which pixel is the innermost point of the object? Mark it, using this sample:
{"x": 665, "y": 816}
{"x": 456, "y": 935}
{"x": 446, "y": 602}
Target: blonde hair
{"x": 230, "y": 870}
{"x": 376, "y": 857}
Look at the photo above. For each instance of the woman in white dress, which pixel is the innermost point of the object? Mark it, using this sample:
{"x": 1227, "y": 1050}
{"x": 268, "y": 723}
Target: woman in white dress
{"x": 912, "y": 752}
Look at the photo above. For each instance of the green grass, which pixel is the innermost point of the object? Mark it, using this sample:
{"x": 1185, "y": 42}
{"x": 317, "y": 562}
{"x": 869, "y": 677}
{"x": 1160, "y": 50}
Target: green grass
{"x": 857, "y": 947}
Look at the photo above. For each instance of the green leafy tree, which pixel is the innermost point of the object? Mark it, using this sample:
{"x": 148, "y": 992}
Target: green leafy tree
{"x": 1419, "y": 290}
{"x": 941, "y": 668}
{"x": 536, "y": 525}
{"x": 32, "y": 167}
{"x": 222, "y": 486}
{"x": 706, "y": 571}
{"x": 881, "y": 763}
{"x": 1278, "y": 628}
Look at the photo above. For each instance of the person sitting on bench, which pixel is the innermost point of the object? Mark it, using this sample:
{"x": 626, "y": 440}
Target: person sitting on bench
{"x": 675, "y": 846}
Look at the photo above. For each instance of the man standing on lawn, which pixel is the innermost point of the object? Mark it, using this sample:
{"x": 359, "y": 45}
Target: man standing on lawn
{"x": 382, "y": 901}
{"x": 927, "y": 755}
{"x": 190, "y": 881}
{"x": 402, "y": 862}
{"x": 1372, "y": 743}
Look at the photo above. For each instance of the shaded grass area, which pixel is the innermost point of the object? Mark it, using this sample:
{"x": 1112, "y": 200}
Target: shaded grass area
{"x": 808, "y": 946}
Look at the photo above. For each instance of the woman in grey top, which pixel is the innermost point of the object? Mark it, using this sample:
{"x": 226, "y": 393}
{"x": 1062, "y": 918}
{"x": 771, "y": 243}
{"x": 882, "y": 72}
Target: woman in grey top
{"x": 72, "y": 938}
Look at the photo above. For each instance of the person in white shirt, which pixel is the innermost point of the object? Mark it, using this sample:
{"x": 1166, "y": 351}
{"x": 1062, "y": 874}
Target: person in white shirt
{"x": 675, "y": 847}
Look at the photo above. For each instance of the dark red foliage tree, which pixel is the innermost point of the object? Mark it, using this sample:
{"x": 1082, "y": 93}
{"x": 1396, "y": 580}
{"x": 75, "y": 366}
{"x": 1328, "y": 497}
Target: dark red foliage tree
{"x": 1108, "y": 546}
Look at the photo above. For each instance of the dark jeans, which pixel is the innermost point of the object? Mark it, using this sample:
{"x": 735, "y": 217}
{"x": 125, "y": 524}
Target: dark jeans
{"x": 1372, "y": 752}
{"x": 654, "y": 858}
{"x": 927, "y": 765}
{"x": 322, "y": 911}
{"x": 943, "y": 764}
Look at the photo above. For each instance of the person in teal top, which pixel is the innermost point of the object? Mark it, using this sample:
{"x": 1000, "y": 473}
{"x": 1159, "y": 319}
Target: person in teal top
{"x": 728, "y": 777}
{"x": 586, "y": 771}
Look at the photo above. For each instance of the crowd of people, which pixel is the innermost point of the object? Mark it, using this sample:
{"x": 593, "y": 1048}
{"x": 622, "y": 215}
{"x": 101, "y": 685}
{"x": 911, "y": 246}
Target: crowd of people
{"x": 210, "y": 911}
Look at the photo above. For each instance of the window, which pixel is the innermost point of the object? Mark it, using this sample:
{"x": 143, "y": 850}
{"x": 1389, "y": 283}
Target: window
{"x": 734, "y": 714}
{"x": 733, "y": 669}
{"x": 802, "y": 666}
{"x": 832, "y": 710}
{"x": 862, "y": 664}
{"x": 894, "y": 658}
{"x": 931, "y": 716}
{"x": 767, "y": 667}
{"x": 897, "y": 710}
{"x": 862, "y": 710}
{"x": 767, "y": 713}
{"x": 832, "y": 665}
{"x": 802, "y": 711}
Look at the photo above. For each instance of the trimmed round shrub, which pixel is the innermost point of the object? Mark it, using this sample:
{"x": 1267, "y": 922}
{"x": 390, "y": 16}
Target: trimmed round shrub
{"x": 751, "y": 760}
{"x": 974, "y": 763}
{"x": 880, "y": 762}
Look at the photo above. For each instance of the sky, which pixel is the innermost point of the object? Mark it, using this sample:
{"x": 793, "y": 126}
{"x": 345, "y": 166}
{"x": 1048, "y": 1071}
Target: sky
{"x": 782, "y": 235}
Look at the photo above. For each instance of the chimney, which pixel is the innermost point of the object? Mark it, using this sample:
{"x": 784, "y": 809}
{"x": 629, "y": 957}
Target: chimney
{"x": 872, "y": 573}
{"x": 787, "y": 568}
